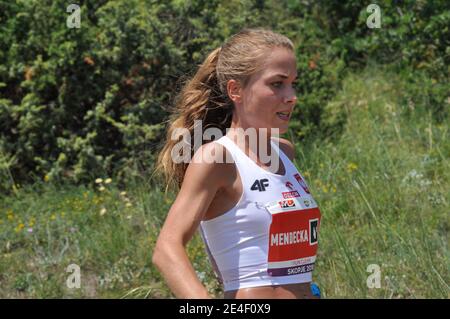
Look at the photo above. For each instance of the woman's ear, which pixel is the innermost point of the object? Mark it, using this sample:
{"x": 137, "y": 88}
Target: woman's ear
{"x": 234, "y": 91}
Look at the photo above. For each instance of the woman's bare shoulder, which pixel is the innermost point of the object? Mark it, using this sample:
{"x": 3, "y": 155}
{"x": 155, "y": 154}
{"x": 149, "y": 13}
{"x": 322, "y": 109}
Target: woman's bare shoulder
{"x": 214, "y": 160}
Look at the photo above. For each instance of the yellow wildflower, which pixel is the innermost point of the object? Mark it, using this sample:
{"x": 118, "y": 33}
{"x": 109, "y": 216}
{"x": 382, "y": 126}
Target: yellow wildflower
{"x": 19, "y": 227}
{"x": 351, "y": 167}
{"x": 46, "y": 178}
{"x": 53, "y": 217}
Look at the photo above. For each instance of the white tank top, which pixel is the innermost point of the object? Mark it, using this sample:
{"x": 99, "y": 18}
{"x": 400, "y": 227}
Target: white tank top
{"x": 270, "y": 236}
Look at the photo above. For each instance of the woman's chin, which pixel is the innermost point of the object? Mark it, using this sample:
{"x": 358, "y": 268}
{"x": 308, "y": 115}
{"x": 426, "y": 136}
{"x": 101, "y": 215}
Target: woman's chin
{"x": 278, "y": 130}
{"x": 283, "y": 128}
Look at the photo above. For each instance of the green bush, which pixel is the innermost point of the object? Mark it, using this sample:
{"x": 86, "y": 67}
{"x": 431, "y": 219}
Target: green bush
{"x": 82, "y": 103}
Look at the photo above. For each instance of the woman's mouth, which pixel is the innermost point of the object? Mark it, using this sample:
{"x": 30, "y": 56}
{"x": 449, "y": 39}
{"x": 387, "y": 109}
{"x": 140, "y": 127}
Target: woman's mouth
{"x": 283, "y": 115}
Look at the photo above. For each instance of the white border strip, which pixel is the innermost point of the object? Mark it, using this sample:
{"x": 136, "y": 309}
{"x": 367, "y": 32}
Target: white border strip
{"x": 292, "y": 263}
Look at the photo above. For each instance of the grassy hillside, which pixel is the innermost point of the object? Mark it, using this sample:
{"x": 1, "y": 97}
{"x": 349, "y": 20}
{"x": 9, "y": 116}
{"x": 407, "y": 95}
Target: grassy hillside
{"x": 382, "y": 187}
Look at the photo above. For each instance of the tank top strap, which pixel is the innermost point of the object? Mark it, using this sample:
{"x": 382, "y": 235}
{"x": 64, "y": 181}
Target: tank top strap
{"x": 242, "y": 163}
{"x": 289, "y": 165}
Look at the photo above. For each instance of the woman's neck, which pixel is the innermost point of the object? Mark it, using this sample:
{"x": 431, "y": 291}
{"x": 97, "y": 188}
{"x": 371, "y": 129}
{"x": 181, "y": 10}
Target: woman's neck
{"x": 255, "y": 142}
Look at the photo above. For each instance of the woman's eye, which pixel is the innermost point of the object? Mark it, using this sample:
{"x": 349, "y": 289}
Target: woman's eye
{"x": 279, "y": 83}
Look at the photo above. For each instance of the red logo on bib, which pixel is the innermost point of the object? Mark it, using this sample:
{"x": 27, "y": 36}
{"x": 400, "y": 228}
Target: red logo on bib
{"x": 301, "y": 182}
{"x": 291, "y": 194}
{"x": 290, "y": 186}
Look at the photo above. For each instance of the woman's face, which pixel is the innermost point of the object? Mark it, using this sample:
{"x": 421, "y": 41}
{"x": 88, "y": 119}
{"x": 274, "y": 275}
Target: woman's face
{"x": 269, "y": 98}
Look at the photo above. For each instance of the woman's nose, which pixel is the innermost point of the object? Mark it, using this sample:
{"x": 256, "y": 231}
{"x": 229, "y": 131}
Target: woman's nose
{"x": 291, "y": 99}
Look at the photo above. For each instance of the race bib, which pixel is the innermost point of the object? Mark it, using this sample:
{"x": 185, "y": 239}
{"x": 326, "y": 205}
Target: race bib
{"x": 293, "y": 236}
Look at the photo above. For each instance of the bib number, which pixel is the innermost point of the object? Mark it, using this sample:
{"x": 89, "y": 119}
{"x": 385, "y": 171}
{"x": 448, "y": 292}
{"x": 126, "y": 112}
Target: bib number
{"x": 293, "y": 236}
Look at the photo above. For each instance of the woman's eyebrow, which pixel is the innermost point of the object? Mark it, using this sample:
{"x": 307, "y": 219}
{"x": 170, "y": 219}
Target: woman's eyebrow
{"x": 283, "y": 76}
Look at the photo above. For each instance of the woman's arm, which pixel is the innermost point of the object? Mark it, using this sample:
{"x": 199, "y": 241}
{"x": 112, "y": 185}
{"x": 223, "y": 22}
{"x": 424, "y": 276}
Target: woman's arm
{"x": 201, "y": 182}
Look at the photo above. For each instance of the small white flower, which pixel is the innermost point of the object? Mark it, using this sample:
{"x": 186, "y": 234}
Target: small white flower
{"x": 123, "y": 193}
{"x": 425, "y": 183}
{"x": 103, "y": 211}
{"x": 108, "y": 181}
{"x": 101, "y": 188}
{"x": 128, "y": 205}
{"x": 98, "y": 181}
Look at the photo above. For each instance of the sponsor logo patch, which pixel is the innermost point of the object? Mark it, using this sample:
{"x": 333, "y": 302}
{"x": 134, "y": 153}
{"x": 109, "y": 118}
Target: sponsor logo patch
{"x": 290, "y": 186}
{"x": 287, "y": 203}
{"x": 291, "y": 194}
{"x": 302, "y": 183}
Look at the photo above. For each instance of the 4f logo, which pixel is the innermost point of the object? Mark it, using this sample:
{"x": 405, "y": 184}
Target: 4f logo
{"x": 313, "y": 225}
{"x": 260, "y": 185}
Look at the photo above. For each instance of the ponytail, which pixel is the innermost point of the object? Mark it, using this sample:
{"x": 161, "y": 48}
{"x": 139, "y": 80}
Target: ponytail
{"x": 199, "y": 99}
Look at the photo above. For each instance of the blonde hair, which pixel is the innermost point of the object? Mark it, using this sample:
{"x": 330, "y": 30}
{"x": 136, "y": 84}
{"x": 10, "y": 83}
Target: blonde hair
{"x": 205, "y": 97}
